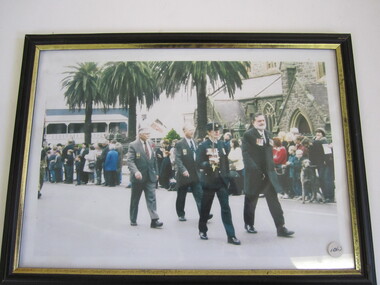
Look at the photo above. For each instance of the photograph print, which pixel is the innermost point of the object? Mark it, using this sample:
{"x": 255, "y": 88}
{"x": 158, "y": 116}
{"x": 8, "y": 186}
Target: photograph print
{"x": 194, "y": 160}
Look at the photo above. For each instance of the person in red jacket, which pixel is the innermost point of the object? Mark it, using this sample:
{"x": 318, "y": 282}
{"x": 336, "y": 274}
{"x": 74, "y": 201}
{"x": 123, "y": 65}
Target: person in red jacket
{"x": 280, "y": 157}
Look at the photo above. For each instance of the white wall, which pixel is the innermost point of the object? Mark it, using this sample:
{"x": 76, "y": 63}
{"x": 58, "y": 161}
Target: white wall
{"x": 360, "y": 18}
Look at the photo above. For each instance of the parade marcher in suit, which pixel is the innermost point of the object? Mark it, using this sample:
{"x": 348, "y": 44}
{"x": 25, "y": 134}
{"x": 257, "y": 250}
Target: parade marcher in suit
{"x": 142, "y": 165}
{"x": 188, "y": 176}
{"x": 257, "y": 145}
{"x": 213, "y": 161}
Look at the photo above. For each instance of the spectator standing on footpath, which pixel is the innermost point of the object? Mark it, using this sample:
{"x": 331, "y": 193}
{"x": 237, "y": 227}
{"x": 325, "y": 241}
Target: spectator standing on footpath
{"x": 69, "y": 166}
{"x": 98, "y": 164}
{"x": 105, "y": 150}
{"x": 280, "y": 158}
{"x": 166, "y": 171}
{"x": 70, "y": 146}
{"x": 58, "y": 167}
{"x": 227, "y": 142}
{"x": 89, "y": 165}
{"x": 43, "y": 165}
{"x": 78, "y": 169}
{"x": 83, "y": 152}
{"x": 321, "y": 156}
{"x": 110, "y": 166}
{"x": 119, "y": 149}
{"x": 235, "y": 158}
{"x": 295, "y": 164}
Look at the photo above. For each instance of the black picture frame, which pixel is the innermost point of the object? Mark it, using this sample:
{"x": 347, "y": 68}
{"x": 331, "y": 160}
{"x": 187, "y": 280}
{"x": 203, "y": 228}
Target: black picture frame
{"x": 365, "y": 269}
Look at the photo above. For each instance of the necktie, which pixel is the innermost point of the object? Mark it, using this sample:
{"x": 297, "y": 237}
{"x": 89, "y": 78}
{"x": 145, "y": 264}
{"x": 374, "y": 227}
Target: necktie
{"x": 192, "y": 148}
{"x": 263, "y": 136}
{"x": 146, "y": 150}
{"x": 192, "y": 145}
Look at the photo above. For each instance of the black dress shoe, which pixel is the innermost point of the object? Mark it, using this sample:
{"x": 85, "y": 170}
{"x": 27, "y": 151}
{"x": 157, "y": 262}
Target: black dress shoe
{"x": 203, "y": 235}
{"x": 284, "y": 232}
{"x": 210, "y": 217}
{"x": 250, "y": 229}
{"x": 233, "y": 240}
{"x": 182, "y": 219}
{"x": 156, "y": 224}
{"x": 133, "y": 224}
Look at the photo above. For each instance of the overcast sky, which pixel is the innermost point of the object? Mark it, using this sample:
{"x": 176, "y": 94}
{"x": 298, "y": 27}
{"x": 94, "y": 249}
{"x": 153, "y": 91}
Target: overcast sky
{"x": 53, "y": 64}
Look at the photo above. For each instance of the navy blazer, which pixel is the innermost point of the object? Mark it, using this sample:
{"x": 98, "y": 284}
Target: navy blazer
{"x": 184, "y": 160}
{"x": 258, "y": 161}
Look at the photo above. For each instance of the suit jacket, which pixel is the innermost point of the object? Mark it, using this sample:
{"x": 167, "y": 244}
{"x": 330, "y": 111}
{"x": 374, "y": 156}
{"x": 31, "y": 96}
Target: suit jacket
{"x": 209, "y": 177}
{"x": 137, "y": 160}
{"x": 258, "y": 160}
{"x": 184, "y": 160}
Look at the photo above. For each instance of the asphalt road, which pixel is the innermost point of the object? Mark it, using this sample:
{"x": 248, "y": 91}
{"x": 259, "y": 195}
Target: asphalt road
{"x": 88, "y": 227}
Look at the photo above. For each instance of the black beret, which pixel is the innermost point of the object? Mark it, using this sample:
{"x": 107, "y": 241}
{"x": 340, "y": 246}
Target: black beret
{"x": 212, "y": 126}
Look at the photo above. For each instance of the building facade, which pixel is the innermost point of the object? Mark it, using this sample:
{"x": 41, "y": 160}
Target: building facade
{"x": 289, "y": 94}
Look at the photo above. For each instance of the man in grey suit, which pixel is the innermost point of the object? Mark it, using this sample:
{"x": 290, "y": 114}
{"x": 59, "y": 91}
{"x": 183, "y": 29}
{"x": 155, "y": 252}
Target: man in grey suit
{"x": 142, "y": 165}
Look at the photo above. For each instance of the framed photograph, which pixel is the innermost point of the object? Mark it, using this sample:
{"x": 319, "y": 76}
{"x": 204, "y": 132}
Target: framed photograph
{"x": 69, "y": 216}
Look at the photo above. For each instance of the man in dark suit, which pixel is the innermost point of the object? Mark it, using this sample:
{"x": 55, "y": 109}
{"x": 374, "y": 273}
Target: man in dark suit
{"x": 213, "y": 162}
{"x": 188, "y": 176}
{"x": 142, "y": 165}
{"x": 260, "y": 176}
{"x": 67, "y": 169}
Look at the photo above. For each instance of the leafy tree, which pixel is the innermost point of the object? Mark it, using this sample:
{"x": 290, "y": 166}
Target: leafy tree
{"x": 82, "y": 90}
{"x": 198, "y": 74}
{"x": 128, "y": 83}
{"x": 172, "y": 135}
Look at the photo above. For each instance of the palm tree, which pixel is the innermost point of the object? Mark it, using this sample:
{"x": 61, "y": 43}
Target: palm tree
{"x": 173, "y": 74}
{"x": 128, "y": 83}
{"x": 82, "y": 90}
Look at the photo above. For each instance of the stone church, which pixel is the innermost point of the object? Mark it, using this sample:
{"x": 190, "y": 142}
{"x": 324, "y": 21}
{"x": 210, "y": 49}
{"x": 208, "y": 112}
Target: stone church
{"x": 289, "y": 94}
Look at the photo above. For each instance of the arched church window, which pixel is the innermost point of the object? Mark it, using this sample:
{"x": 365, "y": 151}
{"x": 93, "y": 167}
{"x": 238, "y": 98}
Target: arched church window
{"x": 270, "y": 116}
{"x": 300, "y": 122}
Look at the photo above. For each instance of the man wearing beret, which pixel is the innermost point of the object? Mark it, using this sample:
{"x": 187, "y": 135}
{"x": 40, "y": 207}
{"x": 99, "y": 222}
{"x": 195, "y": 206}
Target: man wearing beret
{"x": 260, "y": 176}
{"x": 142, "y": 165}
{"x": 213, "y": 163}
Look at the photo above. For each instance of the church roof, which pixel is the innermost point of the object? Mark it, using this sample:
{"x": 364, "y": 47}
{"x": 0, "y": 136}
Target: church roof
{"x": 257, "y": 87}
{"x": 230, "y": 111}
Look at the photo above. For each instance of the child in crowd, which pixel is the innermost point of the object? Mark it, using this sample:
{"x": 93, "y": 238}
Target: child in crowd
{"x": 295, "y": 165}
